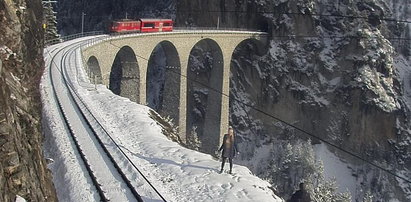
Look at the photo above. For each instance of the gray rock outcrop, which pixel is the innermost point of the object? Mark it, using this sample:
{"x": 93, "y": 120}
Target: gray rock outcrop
{"x": 23, "y": 170}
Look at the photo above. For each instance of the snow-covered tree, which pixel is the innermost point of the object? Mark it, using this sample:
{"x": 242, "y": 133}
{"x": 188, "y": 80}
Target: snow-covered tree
{"x": 295, "y": 162}
{"x": 50, "y": 21}
{"x": 368, "y": 197}
{"x": 169, "y": 128}
{"x": 193, "y": 142}
{"x": 292, "y": 163}
{"x": 326, "y": 191}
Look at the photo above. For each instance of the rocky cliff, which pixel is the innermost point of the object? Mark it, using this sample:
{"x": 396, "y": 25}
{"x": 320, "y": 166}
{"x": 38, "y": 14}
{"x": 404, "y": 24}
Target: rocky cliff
{"x": 99, "y": 13}
{"x": 340, "y": 78}
{"x": 23, "y": 170}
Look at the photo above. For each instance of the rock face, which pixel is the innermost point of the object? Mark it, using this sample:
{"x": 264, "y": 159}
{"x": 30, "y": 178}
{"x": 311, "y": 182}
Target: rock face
{"x": 23, "y": 170}
{"x": 98, "y": 13}
{"x": 339, "y": 78}
{"x": 224, "y": 13}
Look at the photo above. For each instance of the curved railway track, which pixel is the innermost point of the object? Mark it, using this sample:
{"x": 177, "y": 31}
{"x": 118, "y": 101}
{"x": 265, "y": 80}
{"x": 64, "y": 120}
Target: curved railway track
{"x": 113, "y": 174}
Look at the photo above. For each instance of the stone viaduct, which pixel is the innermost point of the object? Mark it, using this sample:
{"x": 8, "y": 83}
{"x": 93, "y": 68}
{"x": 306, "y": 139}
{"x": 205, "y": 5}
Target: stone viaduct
{"x": 122, "y": 64}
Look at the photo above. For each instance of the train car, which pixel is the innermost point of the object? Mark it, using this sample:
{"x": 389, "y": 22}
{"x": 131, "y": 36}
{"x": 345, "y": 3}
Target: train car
{"x": 125, "y": 26}
{"x": 141, "y": 25}
{"x": 156, "y": 25}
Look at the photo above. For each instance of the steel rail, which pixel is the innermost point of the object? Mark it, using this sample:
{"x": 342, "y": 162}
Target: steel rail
{"x": 77, "y": 101}
{"x": 71, "y": 131}
{"x": 100, "y": 125}
{"x": 87, "y": 163}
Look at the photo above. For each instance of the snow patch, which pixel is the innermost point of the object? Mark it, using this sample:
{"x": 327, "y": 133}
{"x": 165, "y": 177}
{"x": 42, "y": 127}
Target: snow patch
{"x": 335, "y": 168}
{"x": 20, "y": 199}
{"x": 7, "y": 52}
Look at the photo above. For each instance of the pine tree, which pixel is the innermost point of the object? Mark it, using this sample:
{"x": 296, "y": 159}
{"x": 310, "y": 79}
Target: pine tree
{"x": 193, "y": 141}
{"x": 368, "y": 197}
{"x": 326, "y": 191}
{"x": 50, "y": 22}
{"x": 295, "y": 162}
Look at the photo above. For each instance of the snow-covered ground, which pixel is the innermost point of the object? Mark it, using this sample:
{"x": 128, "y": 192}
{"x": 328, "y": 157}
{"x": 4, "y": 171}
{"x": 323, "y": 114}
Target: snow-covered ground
{"x": 334, "y": 168}
{"x": 179, "y": 174}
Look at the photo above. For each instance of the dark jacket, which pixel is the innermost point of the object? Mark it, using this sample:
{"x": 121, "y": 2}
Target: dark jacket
{"x": 300, "y": 196}
{"x": 228, "y": 151}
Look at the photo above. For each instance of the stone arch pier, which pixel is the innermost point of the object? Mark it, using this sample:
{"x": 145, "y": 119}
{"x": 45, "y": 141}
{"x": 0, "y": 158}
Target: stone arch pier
{"x": 182, "y": 74}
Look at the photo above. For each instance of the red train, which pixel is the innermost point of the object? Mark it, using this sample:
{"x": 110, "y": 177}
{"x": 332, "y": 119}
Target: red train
{"x": 141, "y": 25}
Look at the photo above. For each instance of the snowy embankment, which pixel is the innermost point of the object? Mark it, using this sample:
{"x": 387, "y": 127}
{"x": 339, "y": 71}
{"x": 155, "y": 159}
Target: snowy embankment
{"x": 336, "y": 169}
{"x": 179, "y": 174}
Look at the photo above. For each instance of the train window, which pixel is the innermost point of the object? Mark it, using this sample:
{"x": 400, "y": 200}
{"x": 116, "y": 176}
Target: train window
{"x": 149, "y": 25}
{"x": 167, "y": 24}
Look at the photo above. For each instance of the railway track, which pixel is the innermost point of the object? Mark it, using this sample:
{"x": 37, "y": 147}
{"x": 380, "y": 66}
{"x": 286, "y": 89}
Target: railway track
{"x": 113, "y": 174}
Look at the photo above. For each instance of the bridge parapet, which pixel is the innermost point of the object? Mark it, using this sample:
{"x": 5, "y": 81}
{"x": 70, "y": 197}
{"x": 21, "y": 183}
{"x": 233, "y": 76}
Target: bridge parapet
{"x": 262, "y": 36}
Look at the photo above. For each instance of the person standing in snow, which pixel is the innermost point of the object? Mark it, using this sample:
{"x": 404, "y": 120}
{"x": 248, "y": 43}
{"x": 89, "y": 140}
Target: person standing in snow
{"x": 229, "y": 148}
{"x": 301, "y": 195}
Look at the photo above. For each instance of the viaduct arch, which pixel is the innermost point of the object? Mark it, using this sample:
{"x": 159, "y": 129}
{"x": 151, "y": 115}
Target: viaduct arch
{"x": 160, "y": 63}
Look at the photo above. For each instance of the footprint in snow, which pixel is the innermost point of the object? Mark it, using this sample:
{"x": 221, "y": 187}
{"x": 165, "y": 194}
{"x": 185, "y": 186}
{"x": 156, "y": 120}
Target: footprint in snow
{"x": 236, "y": 178}
{"x": 227, "y": 186}
{"x": 242, "y": 194}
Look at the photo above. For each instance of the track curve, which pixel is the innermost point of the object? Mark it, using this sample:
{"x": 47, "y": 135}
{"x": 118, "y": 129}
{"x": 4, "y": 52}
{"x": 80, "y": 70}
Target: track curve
{"x": 96, "y": 151}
